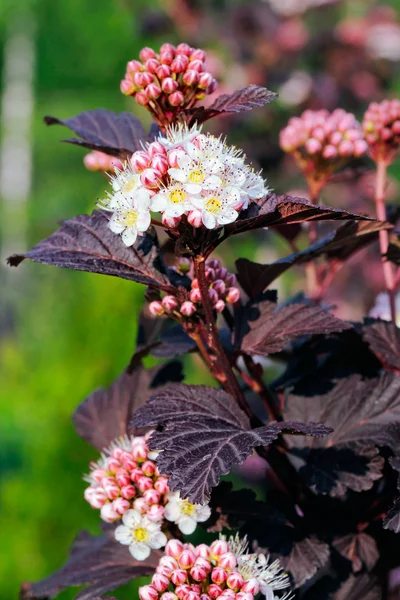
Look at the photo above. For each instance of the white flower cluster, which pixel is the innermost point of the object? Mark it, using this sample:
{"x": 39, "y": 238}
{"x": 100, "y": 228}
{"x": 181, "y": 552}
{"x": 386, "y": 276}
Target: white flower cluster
{"x": 185, "y": 173}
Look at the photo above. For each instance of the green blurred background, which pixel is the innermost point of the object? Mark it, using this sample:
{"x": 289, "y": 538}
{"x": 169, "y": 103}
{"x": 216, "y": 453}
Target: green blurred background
{"x": 62, "y": 333}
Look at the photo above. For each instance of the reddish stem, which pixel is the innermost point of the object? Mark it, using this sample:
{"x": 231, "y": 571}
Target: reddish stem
{"x": 389, "y": 272}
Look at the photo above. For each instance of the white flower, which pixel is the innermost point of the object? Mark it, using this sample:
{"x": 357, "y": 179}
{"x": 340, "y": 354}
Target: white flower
{"x": 178, "y": 135}
{"x": 131, "y": 215}
{"x": 218, "y": 208}
{"x": 140, "y": 534}
{"x": 184, "y": 514}
{"x": 172, "y": 201}
{"x": 195, "y": 171}
{"x": 257, "y": 566}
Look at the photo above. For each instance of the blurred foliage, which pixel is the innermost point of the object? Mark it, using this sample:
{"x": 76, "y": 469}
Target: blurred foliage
{"x": 62, "y": 333}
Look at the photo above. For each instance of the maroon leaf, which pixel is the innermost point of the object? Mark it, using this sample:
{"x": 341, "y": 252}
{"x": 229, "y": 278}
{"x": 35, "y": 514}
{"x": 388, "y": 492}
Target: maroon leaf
{"x": 99, "y": 562}
{"x": 305, "y": 558}
{"x": 363, "y": 587}
{"x": 276, "y": 327}
{"x": 281, "y": 210}
{"x": 203, "y": 434}
{"x": 85, "y": 243}
{"x": 252, "y": 96}
{"x": 360, "y": 549}
{"x": 384, "y": 341}
{"x": 337, "y": 245}
{"x": 101, "y": 129}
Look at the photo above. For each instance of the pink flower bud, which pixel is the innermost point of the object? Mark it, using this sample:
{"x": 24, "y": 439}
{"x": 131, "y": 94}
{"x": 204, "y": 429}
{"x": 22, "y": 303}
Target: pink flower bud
{"x": 195, "y": 295}
{"x": 205, "y": 80}
{"x": 219, "y": 286}
{"x": 345, "y": 148}
{"x": 179, "y": 64}
{"x": 138, "y": 79}
{"x": 166, "y": 58}
{"x": 171, "y": 222}
{"x": 244, "y": 596}
{"x": 148, "y": 592}
{"x": 141, "y": 98}
{"x": 178, "y": 576}
{"x": 110, "y": 487}
{"x": 219, "y": 305}
{"x": 221, "y": 273}
{"x": 113, "y": 464}
{"x": 196, "y": 588}
{"x": 160, "y": 582}
{"x": 204, "y": 597}
{"x": 122, "y": 478}
{"x": 144, "y": 483}
{"x": 95, "y": 496}
{"x": 235, "y": 581}
{"x": 182, "y": 590}
{"x": 163, "y": 71}
{"x": 121, "y": 505}
{"x": 98, "y": 474}
{"x": 360, "y": 147}
{"x": 214, "y": 591}
{"x": 176, "y": 99}
{"x": 161, "y": 485}
{"x": 212, "y": 294}
{"x": 160, "y": 164}
{"x": 186, "y": 559}
{"x": 329, "y": 152}
{"x": 201, "y": 561}
{"x": 213, "y": 264}
{"x": 174, "y": 156}
{"x": 139, "y": 451}
{"x": 150, "y": 178}
{"x": 128, "y": 492}
{"x": 152, "y": 496}
{"x": 232, "y": 295}
{"x": 127, "y": 87}
{"x": 167, "y": 47}
{"x": 252, "y": 586}
{"x": 153, "y": 91}
{"x": 196, "y": 65}
{"x": 169, "y": 303}
{"x": 156, "y": 308}
{"x": 188, "y": 308}
{"x": 190, "y": 78}
{"x": 147, "y": 53}
{"x": 184, "y": 49}
{"x": 141, "y": 505}
{"x": 227, "y": 561}
{"x": 147, "y": 78}
{"x": 218, "y": 575}
{"x": 210, "y": 274}
{"x": 155, "y": 512}
{"x": 313, "y": 146}
{"x": 156, "y": 148}
{"x": 168, "y": 596}
{"x": 108, "y": 513}
{"x": 198, "y": 54}
{"x": 169, "y": 562}
{"x": 148, "y": 468}
{"x": 228, "y": 594}
{"x": 219, "y": 547}
{"x": 152, "y": 65}
{"x": 192, "y": 595}
{"x": 136, "y": 474}
{"x": 169, "y": 85}
{"x": 140, "y": 161}
{"x": 133, "y": 66}
{"x": 174, "y": 548}
{"x": 198, "y": 573}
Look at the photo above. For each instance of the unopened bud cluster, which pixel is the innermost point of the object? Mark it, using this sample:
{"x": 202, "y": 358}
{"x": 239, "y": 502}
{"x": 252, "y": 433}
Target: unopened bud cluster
{"x": 167, "y": 81}
{"x": 126, "y": 481}
{"x": 184, "y": 174}
{"x": 222, "y": 570}
{"x": 321, "y": 141}
{"x": 222, "y": 290}
{"x": 99, "y": 161}
{"x": 381, "y": 126}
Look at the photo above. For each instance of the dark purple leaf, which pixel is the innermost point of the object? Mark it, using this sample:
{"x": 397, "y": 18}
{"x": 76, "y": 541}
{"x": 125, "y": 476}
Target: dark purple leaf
{"x": 276, "y": 327}
{"x": 360, "y": 549}
{"x": 337, "y": 245}
{"x": 305, "y": 558}
{"x": 280, "y": 210}
{"x": 252, "y": 96}
{"x": 85, "y": 243}
{"x": 384, "y": 341}
{"x": 174, "y": 342}
{"x": 204, "y": 434}
{"x": 101, "y": 129}
{"x": 97, "y": 561}
{"x": 363, "y": 587}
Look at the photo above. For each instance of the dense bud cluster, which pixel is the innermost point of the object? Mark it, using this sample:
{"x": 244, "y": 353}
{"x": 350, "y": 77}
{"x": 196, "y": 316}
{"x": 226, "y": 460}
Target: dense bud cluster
{"x": 321, "y": 141}
{"x": 222, "y": 570}
{"x": 126, "y": 483}
{"x": 185, "y": 174}
{"x": 175, "y": 78}
{"x": 99, "y": 161}
{"x": 222, "y": 290}
{"x": 381, "y": 126}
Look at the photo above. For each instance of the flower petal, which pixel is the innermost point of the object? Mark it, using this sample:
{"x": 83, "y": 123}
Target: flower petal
{"x": 139, "y": 550}
{"x": 115, "y": 225}
{"x": 159, "y": 203}
{"x": 203, "y": 513}
{"x": 187, "y": 525}
{"x": 129, "y": 236}
{"x": 131, "y": 518}
{"x": 193, "y": 188}
{"x": 158, "y": 540}
{"x": 172, "y": 511}
{"x": 209, "y": 220}
{"x": 177, "y": 174}
{"x": 228, "y": 216}
{"x": 123, "y": 535}
{"x": 144, "y": 220}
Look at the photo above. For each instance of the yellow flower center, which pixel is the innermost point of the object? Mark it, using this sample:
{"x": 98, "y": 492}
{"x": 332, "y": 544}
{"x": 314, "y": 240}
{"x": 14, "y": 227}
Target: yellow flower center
{"x": 187, "y": 508}
{"x": 129, "y": 185}
{"x": 140, "y": 534}
{"x": 177, "y": 196}
{"x": 130, "y": 218}
{"x": 213, "y": 205}
{"x": 196, "y": 176}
